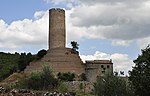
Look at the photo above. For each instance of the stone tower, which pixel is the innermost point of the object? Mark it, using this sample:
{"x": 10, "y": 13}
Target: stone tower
{"x": 57, "y": 31}
{"x": 58, "y": 57}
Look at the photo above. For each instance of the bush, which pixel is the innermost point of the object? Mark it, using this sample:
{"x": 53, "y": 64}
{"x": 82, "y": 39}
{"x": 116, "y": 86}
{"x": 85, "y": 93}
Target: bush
{"x": 62, "y": 88}
{"x": 43, "y": 80}
{"x": 83, "y": 77}
{"x": 111, "y": 85}
{"x": 66, "y": 76}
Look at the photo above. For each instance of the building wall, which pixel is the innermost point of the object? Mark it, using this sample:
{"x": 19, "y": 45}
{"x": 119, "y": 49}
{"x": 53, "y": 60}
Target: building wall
{"x": 98, "y": 68}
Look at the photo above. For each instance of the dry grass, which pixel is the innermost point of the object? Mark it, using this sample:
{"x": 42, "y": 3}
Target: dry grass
{"x": 15, "y": 77}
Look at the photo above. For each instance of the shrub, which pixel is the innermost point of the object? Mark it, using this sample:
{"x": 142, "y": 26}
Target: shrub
{"x": 66, "y": 76}
{"x": 40, "y": 80}
{"x": 83, "y": 77}
{"x": 62, "y": 88}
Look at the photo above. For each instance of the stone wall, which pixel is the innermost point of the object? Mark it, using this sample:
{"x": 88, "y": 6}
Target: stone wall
{"x": 83, "y": 86}
{"x": 96, "y": 68}
{"x": 59, "y": 60}
{"x": 57, "y": 34}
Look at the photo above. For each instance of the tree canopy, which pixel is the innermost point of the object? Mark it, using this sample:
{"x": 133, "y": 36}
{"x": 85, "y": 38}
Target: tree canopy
{"x": 111, "y": 85}
{"x": 10, "y": 62}
{"x": 41, "y": 54}
{"x": 140, "y": 74}
{"x": 75, "y": 47}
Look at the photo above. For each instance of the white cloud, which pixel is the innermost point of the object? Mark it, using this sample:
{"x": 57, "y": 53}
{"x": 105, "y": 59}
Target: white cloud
{"x": 143, "y": 43}
{"x": 39, "y": 14}
{"x": 121, "y": 62}
{"x": 25, "y": 33}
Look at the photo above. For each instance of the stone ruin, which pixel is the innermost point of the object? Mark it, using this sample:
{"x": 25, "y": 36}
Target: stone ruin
{"x": 62, "y": 59}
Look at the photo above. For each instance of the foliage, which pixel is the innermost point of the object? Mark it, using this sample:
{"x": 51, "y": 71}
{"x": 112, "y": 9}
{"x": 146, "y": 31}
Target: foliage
{"x": 75, "y": 46}
{"x": 140, "y": 74}
{"x": 8, "y": 64}
{"x": 24, "y": 60}
{"x": 111, "y": 85}
{"x": 42, "y": 80}
{"x": 66, "y": 76}
{"x": 62, "y": 88}
{"x": 41, "y": 54}
{"x": 83, "y": 77}
{"x": 81, "y": 86}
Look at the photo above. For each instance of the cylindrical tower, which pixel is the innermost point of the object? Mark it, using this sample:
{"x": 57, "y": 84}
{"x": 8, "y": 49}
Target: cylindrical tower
{"x": 57, "y": 31}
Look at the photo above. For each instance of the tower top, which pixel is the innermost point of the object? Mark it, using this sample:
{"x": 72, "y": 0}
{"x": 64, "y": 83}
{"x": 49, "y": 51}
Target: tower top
{"x": 59, "y": 9}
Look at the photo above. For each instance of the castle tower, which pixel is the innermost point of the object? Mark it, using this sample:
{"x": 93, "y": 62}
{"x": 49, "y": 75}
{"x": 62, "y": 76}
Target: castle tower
{"x": 58, "y": 57}
{"x": 57, "y": 34}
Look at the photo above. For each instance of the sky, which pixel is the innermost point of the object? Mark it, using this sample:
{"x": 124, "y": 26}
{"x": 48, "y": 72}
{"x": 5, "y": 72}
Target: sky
{"x": 104, "y": 29}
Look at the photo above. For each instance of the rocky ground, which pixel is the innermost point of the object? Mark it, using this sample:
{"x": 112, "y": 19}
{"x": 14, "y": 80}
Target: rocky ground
{"x": 25, "y": 92}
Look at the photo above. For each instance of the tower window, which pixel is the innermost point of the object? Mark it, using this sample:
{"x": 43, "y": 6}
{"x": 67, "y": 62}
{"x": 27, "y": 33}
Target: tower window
{"x": 108, "y": 66}
{"x": 103, "y": 72}
{"x": 102, "y": 66}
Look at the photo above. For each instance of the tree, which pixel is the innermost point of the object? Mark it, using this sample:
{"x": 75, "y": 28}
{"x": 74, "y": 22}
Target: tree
{"x": 75, "y": 46}
{"x": 41, "y": 54}
{"x": 111, "y": 85}
{"x": 140, "y": 74}
{"x": 22, "y": 62}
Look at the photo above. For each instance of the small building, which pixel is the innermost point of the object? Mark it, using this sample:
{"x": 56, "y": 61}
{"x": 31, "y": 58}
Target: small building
{"x": 95, "y": 68}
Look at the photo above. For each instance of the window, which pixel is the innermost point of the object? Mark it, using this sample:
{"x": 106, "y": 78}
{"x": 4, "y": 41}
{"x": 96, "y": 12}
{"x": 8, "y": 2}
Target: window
{"x": 102, "y": 66}
{"x": 108, "y": 66}
{"x": 103, "y": 72}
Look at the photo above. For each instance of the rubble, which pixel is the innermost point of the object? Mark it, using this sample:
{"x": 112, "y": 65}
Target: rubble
{"x": 26, "y": 92}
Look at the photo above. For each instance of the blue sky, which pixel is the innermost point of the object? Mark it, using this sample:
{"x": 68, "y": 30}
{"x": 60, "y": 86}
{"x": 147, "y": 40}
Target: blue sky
{"x": 112, "y": 29}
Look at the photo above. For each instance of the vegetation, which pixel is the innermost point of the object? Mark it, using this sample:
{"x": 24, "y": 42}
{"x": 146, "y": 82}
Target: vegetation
{"x": 42, "y": 80}
{"x": 83, "y": 77}
{"x": 24, "y": 60}
{"x": 10, "y": 63}
{"x": 111, "y": 85}
{"x": 66, "y": 76}
{"x": 62, "y": 88}
{"x": 140, "y": 74}
{"x": 41, "y": 54}
{"x": 75, "y": 47}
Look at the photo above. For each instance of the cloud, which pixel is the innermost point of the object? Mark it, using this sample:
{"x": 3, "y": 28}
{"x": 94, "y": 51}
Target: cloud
{"x": 39, "y": 14}
{"x": 121, "y": 62}
{"x": 25, "y": 33}
{"x": 113, "y": 21}
{"x": 143, "y": 43}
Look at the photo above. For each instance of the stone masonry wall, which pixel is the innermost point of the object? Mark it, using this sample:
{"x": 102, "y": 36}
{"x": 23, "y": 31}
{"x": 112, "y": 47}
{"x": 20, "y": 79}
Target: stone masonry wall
{"x": 57, "y": 34}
